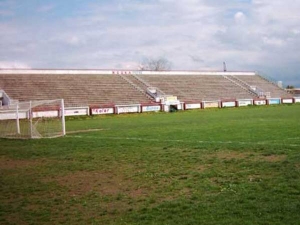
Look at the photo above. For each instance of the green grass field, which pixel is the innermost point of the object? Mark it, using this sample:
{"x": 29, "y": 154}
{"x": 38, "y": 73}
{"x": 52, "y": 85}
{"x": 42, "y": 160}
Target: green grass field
{"x": 214, "y": 166}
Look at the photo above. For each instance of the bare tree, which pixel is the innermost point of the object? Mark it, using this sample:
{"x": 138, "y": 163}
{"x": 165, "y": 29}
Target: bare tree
{"x": 290, "y": 87}
{"x": 156, "y": 64}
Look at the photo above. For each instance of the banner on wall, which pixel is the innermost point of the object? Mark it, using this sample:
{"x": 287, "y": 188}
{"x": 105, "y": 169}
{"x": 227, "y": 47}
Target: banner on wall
{"x": 297, "y": 100}
{"x": 211, "y": 104}
{"x": 274, "y": 101}
{"x": 193, "y": 106}
{"x": 128, "y": 109}
{"x": 245, "y": 102}
{"x": 12, "y": 115}
{"x": 287, "y": 101}
{"x": 260, "y": 102}
{"x": 102, "y": 111}
{"x": 170, "y": 98}
{"x": 228, "y": 104}
{"x": 76, "y": 111}
{"x": 151, "y": 108}
{"x": 39, "y": 114}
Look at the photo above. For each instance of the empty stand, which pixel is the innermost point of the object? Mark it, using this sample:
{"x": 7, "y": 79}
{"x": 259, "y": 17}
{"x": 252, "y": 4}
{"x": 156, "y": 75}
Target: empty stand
{"x": 265, "y": 85}
{"x": 102, "y": 89}
{"x": 77, "y": 90}
{"x": 196, "y": 87}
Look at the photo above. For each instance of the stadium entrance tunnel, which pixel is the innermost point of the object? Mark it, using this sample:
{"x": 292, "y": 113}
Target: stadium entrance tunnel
{"x": 173, "y": 108}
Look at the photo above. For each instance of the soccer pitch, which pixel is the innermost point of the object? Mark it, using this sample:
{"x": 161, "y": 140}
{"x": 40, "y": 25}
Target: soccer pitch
{"x": 213, "y": 166}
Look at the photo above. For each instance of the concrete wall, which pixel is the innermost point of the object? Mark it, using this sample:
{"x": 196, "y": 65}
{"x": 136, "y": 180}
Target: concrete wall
{"x": 93, "y": 72}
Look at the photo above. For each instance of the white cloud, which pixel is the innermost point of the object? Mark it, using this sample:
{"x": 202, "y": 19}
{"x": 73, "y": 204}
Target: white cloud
{"x": 13, "y": 65}
{"x": 45, "y": 8}
{"x": 296, "y": 31}
{"x": 192, "y": 34}
{"x": 239, "y": 17}
{"x": 74, "y": 40}
{"x": 273, "y": 41}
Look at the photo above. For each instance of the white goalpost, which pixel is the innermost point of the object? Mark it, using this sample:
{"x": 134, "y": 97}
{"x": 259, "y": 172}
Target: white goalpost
{"x": 33, "y": 119}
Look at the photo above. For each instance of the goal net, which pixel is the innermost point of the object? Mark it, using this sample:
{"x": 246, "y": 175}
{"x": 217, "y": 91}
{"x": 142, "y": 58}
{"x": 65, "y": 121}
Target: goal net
{"x": 33, "y": 119}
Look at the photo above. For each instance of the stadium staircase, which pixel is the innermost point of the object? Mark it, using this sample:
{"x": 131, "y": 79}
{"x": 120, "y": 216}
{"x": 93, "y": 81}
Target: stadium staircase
{"x": 270, "y": 88}
{"x": 242, "y": 84}
{"x": 147, "y": 85}
{"x": 272, "y": 81}
{"x": 137, "y": 84}
{"x": 144, "y": 87}
{"x": 190, "y": 88}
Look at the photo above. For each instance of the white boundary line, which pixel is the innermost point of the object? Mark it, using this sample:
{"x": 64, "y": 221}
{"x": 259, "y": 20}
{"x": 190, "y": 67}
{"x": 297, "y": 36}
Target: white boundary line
{"x": 186, "y": 141}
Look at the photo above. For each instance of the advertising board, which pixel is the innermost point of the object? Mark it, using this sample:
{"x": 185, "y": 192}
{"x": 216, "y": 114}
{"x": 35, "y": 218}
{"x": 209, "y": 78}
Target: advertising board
{"x": 151, "y": 108}
{"x": 228, "y": 104}
{"x": 76, "y": 112}
{"x": 274, "y": 101}
{"x": 45, "y": 114}
{"x": 287, "y": 101}
{"x": 128, "y": 109}
{"x": 193, "y": 106}
{"x": 12, "y": 115}
{"x": 260, "y": 102}
{"x": 245, "y": 102}
{"x": 101, "y": 111}
{"x": 170, "y": 99}
{"x": 211, "y": 104}
{"x": 297, "y": 100}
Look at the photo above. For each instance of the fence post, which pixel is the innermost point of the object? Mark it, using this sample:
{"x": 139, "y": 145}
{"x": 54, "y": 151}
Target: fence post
{"x": 63, "y": 117}
{"x": 18, "y": 119}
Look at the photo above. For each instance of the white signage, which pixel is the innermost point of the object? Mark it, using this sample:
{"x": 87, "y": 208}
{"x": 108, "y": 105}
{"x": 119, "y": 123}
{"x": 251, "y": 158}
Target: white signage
{"x": 12, "y": 116}
{"x": 151, "y": 108}
{"x": 193, "y": 106}
{"x": 287, "y": 100}
{"x": 211, "y": 104}
{"x": 244, "y": 102}
{"x": 297, "y": 100}
{"x": 228, "y": 104}
{"x": 274, "y": 101}
{"x": 101, "y": 111}
{"x": 76, "y": 112}
{"x": 260, "y": 102}
{"x": 45, "y": 114}
{"x": 128, "y": 109}
{"x": 172, "y": 102}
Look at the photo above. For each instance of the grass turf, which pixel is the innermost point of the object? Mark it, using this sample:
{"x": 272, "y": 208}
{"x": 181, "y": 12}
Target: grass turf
{"x": 229, "y": 166}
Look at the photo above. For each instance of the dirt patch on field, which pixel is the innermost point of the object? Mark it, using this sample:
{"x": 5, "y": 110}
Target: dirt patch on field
{"x": 14, "y": 218}
{"x": 10, "y": 164}
{"x": 273, "y": 158}
{"x": 103, "y": 182}
{"x": 228, "y": 155}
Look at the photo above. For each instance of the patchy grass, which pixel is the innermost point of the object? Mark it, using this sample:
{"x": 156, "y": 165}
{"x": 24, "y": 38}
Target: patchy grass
{"x": 233, "y": 166}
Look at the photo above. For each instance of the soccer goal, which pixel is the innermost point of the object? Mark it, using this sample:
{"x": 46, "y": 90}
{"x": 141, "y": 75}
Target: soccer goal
{"x": 33, "y": 119}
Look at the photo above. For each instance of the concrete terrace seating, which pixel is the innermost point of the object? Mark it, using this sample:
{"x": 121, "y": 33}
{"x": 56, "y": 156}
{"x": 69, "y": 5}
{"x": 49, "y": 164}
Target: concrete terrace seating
{"x": 96, "y": 89}
{"x": 77, "y": 90}
{"x": 265, "y": 85}
{"x": 197, "y": 87}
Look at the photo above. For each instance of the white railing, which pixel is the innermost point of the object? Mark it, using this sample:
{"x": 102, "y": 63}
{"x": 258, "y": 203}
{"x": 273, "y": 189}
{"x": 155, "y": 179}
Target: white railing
{"x": 134, "y": 85}
{"x": 248, "y": 89}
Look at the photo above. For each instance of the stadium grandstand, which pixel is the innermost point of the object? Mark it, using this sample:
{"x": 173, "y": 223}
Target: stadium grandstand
{"x": 95, "y": 88}
{"x": 294, "y": 91}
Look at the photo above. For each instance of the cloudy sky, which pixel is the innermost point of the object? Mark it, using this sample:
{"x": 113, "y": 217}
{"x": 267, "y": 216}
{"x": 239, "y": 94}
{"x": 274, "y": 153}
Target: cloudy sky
{"x": 249, "y": 35}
